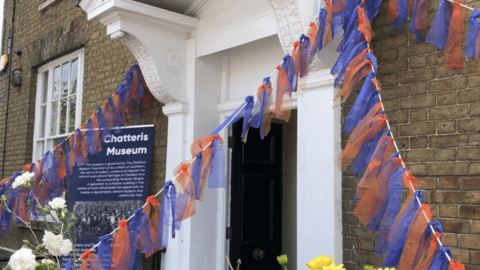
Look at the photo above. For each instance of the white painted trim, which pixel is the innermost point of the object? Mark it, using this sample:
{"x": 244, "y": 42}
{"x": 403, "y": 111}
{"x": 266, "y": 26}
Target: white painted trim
{"x": 225, "y": 76}
{"x": 45, "y": 4}
{"x": 195, "y": 7}
{"x": 80, "y": 54}
{"x": 174, "y": 109}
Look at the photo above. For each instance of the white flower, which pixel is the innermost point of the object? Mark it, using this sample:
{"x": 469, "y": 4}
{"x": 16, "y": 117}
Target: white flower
{"x": 57, "y": 203}
{"x": 22, "y": 259}
{"x": 28, "y": 175}
{"x": 47, "y": 261}
{"x": 19, "y": 181}
{"x": 56, "y": 245}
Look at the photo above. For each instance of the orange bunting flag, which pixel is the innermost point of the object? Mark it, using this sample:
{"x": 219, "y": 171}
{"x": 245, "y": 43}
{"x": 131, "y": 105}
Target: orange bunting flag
{"x": 90, "y": 261}
{"x": 121, "y": 249}
{"x": 152, "y": 210}
{"x": 453, "y": 51}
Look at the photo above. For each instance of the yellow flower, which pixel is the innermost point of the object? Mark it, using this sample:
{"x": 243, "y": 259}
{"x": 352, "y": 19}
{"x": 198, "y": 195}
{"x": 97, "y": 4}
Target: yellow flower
{"x": 333, "y": 267}
{"x": 319, "y": 262}
{"x": 282, "y": 260}
{"x": 386, "y": 268}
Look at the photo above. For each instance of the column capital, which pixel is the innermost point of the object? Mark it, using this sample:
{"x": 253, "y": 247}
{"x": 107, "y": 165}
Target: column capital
{"x": 175, "y": 109}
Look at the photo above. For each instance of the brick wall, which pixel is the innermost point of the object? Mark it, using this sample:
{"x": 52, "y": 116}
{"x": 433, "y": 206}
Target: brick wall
{"x": 434, "y": 112}
{"x": 42, "y": 36}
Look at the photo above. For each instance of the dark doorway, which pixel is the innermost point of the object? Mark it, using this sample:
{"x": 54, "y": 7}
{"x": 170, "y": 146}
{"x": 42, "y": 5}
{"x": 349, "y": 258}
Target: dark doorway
{"x": 256, "y": 194}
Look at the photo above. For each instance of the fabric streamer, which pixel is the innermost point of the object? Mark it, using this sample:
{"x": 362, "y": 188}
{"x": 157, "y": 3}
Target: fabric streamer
{"x": 337, "y": 19}
{"x": 312, "y": 36}
{"x": 415, "y": 231}
{"x": 364, "y": 25}
{"x": 68, "y": 265}
{"x": 152, "y": 210}
{"x": 121, "y": 248}
{"x": 282, "y": 95}
{"x": 376, "y": 195}
{"x": 322, "y": 17}
{"x": 391, "y": 210}
{"x": 426, "y": 241}
{"x": 104, "y": 252}
{"x": 102, "y": 124}
{"x": 216, "y": 178}
{"x": 366, "y": 130}
{"x": 185, "y": 201}
{"x": 456, "y": 265}
{"x": 168, "y": 205}
{"x": 93, "y": 138}
{"x": 365, "y": 94}
{"x": 139, "y": 235}
{"x": 417, "y": 25}
{"x": 345, "y": 58}
{"x": 350, "y": 24}
{"x": 398, "y": 234}
{"x": 80, "y": 157}
{"x": 288, "y": 66}
{"x": 453, "y": 51}
{"x": 365, "y": 153}
{"x": 328, "y": 32}
{"x": 472, "y": 47}
{"x": 440, "y": 261}
{"x": 90, "y": 261}
{"x": 262, "y": 119}
{"x": 118, "y": 112}
{"x": 371, "y": 9}
{"x": 398, "y": 13}
{"x": 438, "y": 34}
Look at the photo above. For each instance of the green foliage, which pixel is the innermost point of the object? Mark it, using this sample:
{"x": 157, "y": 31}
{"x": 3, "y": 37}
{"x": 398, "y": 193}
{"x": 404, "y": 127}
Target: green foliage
{"x": 7, "y": 267}
{"x": 47, "y": 266}
{"x": 368, "y": 267}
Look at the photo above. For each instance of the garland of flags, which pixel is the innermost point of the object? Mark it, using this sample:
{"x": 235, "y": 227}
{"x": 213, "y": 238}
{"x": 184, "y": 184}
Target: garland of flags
{"x": 407, "y": 236}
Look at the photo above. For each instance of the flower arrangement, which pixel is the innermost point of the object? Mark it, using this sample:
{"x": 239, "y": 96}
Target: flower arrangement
{"x": 319, "y": 263}
{"x": 57, "y": 239}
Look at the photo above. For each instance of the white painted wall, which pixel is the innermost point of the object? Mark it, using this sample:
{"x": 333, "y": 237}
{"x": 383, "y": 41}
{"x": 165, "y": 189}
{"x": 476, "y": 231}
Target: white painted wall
{"x": 289, "y": 181}
{"x": 250, "y": 63}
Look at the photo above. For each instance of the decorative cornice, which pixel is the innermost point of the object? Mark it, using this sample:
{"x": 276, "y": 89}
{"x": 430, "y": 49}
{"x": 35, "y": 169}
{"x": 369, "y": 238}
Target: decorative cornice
{"x": 147, "y": 65}
{"x": 174, "y": 109}
{"x": 290, "y": 27}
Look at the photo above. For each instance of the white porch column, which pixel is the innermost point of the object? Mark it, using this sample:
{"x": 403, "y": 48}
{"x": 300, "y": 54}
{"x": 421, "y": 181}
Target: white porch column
{"x": 174, "y": 258}
{"x": 319, "y": 228}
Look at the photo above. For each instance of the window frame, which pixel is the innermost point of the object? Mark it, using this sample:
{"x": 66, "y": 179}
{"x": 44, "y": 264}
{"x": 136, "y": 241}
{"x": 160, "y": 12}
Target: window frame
{"x": 50, "y": 66}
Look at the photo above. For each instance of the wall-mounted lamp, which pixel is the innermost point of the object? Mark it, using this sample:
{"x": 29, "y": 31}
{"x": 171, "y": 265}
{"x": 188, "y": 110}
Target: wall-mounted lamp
{"x": 17, "y": 78}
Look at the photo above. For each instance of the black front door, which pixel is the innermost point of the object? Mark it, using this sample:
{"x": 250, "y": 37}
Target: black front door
{"x": 256, "y": 192}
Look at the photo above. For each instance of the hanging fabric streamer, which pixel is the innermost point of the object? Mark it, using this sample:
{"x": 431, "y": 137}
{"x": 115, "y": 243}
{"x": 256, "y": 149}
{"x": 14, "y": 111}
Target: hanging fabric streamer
{"x": 288, "y": 65}
{"x": 216, "y": 178}
{"x": 364, "y": 25}
{"x": 139, "y": 235}
{"x": 357, "y": 69}
{"x": 102, "y": 124}
{"x": 185, "y": 201}
{"x": 453, "y": 51}
{"x": 121, "y": 249}
{"x": 196, "y": 175}
{"x": 337, "y": 19}
{"x": 364, "y": 96}
{"x": 391, "y": 210}
{"x": 375, "y": 196}
{"x": 417, "y": 25}
{"x": 93, "y": 138}
{"x": 440, "y": 261}
{"x": 349, "y": 10}
{"x": 456, "y": 265}
{"x": 68, "y": 265}
{"x": 80, "y": 156}
{"x": 20, "y": 205}
{"x": 397, "y": 236}
{"x": 59, "y": 156}
{"x": 90, "y": 261}
{"x": 322, "y": 17}
{"x": 104, "y": 252}
{"x": 328, "y": 32}
{"x": 350, "y": 24}
{"x": 472, "y": 47}
{"x": 262, "y": 119}
{"x": 399, "y": 9}
{"x": 426, "y": 241}
{"x": 152, "y": 210}
{"x": 312, "y": 36}
{"x": 107, "y": 112}
{"x": 70, "y": 152}
{"x": 365, "y": 153}
{"x": 5, "y": 216}
{"x": 366, "y": 130}
{"x": 438, "y": 34}
{"x": 345, "y": 58}
{"x": 415, "y": 231}
{"x": 283, "y": 94}
{"x": 203, "y": 146}
{"x": 371, "y": 9}
{"x": 118, "y": 112}
{"x": 168, "y": 205}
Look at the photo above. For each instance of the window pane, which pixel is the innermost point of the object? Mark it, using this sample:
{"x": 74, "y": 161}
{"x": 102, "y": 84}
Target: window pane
{"x": 56, "y": 83}
{"x": 73, "y": 106}
{"x": 45, "y": 87}
{"x": 65, "y": 71}
{"x": 53, "y": 118}
{"x": 63, "y": 115}
{"x": 43, "y": 115}
{"x": 73, "y": 77}
{"x": 39, "y": 150}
